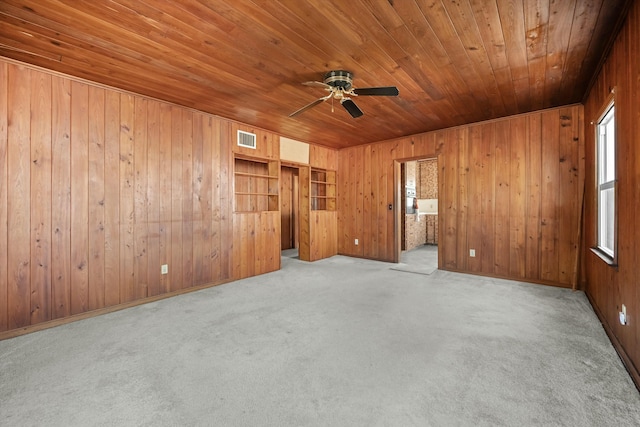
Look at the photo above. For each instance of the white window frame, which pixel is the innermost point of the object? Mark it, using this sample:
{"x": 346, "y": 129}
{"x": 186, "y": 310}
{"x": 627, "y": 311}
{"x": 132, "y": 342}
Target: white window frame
{"x": 606, "y": 176}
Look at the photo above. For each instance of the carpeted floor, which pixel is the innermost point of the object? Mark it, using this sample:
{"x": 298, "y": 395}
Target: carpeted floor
{"x": 338, "y": 342}
{"x": 420, "y": 260}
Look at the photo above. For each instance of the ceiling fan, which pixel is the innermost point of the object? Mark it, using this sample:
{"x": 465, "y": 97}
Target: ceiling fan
{"x": 339, "y": 85}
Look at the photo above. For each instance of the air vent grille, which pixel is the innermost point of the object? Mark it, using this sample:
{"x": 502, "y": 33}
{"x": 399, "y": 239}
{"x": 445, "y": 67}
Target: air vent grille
{"x": 246, "y": 139}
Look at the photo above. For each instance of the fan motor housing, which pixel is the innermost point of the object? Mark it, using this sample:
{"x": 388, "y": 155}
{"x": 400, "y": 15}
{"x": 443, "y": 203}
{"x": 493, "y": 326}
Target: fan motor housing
{"x": 339, "y": 78}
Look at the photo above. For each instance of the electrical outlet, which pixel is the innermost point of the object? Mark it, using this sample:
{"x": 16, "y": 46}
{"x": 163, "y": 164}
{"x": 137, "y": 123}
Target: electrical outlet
{"x": 472, "y": 253}
{"x": 164, "y": 269}
{"x": 623, "y": 315}
{"x": 355, "y": 242}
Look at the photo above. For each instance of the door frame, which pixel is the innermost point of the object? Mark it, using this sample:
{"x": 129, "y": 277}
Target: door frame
{"x": 295, "y": 208}
{"x": 397, "y": 201}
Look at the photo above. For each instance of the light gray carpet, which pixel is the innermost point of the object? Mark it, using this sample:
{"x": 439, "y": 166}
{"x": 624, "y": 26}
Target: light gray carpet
{"x": 338, "y": 342}
{"x": 420, "y": 260}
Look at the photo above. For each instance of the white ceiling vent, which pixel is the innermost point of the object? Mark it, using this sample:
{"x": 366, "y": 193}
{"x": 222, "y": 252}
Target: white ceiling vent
{"x": 246, "y": 139}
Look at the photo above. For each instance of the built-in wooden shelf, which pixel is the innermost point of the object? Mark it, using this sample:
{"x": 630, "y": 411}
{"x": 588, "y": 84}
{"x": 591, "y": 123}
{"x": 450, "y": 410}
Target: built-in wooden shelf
{"x": 323, "y": 190}
{"x": 256, "y": 184}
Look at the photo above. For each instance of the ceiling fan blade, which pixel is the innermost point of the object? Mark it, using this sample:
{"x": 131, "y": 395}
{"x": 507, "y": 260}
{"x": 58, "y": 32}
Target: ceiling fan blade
{"x": 351, "y": 107}
{"x": 377, "y": 91}
{"x": 317, "y": 84}
{"x": 308, "y": 106}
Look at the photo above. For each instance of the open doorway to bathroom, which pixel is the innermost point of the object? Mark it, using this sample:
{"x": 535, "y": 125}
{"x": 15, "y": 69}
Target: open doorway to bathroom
{"x": 419, "y": 216}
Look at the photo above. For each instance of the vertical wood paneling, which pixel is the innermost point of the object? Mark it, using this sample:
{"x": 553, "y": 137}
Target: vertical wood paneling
{"x": 61, "y": 198}
{"x": 517, "y": 196}
{"x": 259, "y": 231}
{"x": 304, "y": 178}
{"x": 206, "y": 201}
{"x": 323, "y": 242}
{"x": 488, "y": 217}
{"x": 267, "y": 144}
{"x": 533, "y": 181}
{"x": 506, "y": 189}
{"x": 608, "y": 287}
{"x": 476, "y": 185}
{"x": 248, "y": 239}
{"x": 199, "y": 199}
{"x": 187, "y": 198}
{"x": 127, "y": 199}
{"x": 216, "y": 202}
{"x": 503, "y": 191}
{"x": 112, "y": 198}
{"x": 343, "y": 201}
{"x": 354, "y": 204}
{"x": 388, "y": 175}
{"x": 152, "y": 190}
{"x": 549, "y": 198}
{"x": 567, "y": 202}
{"x": 367, "y": 206}
{"x": 226, "y": 202}
{"x": 140, "y": 199}
{"x": 18, "y": 203}
{"x": 323, "y": 158}
{"x": 449, "y": 165}
{"x": 177, "y": 215}
{"x": 96, "y": 198}
{"x": 378, "y": 207}
{"x": 4, "y": 178}
{"x": 463, "y": 198}
{"x": 165, "y": 175}
{"x": 237, "y": 247}
{"x": 40, "y": 198}
{"x": 79, "y": 197}
{"x": 359, "y": 203}
{"x": 99, "y": 188}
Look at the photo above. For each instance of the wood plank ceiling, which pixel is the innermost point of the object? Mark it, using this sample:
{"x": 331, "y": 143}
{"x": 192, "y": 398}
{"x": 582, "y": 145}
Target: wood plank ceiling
{"x": 454, "y": 62}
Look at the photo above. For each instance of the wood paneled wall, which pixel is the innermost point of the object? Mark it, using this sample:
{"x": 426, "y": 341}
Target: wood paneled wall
{"x": 609, "y": 287}
{"x": 323, "y": 157}
{"x": 323, "y": 236}
{"x": 99, "y": 188}
{"x": 318, "y": 229}
{"x": 510, "y": 189}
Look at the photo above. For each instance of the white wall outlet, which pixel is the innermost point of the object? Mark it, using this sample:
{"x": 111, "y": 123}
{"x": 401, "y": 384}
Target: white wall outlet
{"x": 355, "y": 242}
{"x": 164, "y": 269}
{"x": 623, "y": 315}
{"x": 472, "y": 253}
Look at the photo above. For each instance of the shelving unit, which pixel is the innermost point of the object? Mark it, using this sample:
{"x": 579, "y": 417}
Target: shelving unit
{"x": 323, "y": 190}
{"x": 256, "y": 185}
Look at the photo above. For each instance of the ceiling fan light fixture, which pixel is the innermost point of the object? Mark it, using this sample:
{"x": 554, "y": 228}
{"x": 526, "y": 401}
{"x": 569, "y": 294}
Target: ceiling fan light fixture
{"x": 339, "y": 84}
{"x": 340, "y": 79}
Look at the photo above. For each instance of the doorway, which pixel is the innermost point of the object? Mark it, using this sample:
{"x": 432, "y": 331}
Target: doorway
{"x": 289, "y": 209}
{"x": 418, "y": 216}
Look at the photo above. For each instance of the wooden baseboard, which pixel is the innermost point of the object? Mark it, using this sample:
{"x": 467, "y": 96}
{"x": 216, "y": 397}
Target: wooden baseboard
{"x": 626, "y": 360}
{"x": 93, "y": 313}
{"x": 515, "y": 279}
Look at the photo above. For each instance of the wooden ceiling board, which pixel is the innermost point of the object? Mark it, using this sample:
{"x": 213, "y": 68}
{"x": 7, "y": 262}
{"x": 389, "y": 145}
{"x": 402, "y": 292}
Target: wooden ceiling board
{"x": 454, "y": 62}
{"x": 584, "y": 21}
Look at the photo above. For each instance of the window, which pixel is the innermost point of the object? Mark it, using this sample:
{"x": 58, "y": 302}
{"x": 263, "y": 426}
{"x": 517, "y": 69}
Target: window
{"x": 606, "y": 176}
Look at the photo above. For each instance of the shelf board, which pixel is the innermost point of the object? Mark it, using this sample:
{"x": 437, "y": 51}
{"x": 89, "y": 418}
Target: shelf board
{"x": 242, "y": 193}
{"x": 254, "y": 175}
{"x": 251, "y": 212}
